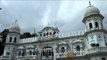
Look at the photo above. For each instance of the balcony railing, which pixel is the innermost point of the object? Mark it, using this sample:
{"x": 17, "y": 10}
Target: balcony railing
{"x": 97, "y": 49}
{"x": 25, "y": 57}
{"x": 4, "y": 57}
{"x": 79, "y": 53}
{"x": 61, "y": 55}
{"x": 44, "y": 57}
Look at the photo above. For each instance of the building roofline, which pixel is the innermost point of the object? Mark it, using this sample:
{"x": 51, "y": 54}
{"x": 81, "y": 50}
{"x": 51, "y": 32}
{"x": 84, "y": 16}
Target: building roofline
{"x": 59, "y": 39}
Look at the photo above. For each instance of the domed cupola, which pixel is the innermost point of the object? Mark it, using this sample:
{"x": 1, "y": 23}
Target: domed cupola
{"x": 14, "y": 28}
{"x": 12, "y": 38}
{"x": 90, "y": 10}
{"x": 49, "y": 31}
{"x": 50, "y": 27}
{"x": 93, "y": 19}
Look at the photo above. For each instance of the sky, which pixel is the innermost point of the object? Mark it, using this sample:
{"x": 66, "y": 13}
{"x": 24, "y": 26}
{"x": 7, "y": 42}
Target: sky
{"x": 67, "y": 15}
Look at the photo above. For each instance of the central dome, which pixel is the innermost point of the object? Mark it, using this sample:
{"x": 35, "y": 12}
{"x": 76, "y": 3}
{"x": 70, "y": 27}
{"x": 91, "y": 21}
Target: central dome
{"x": 14, "y": 28}
{"x": 52, "y": 27}
{"x": 90, "y": 10}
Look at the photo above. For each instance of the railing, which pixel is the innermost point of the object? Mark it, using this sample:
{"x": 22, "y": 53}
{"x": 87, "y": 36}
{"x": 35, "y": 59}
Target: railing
{"x": 47, "y": 37}
{"x": 97, "y": 49}
{"x": 27, "y": 40}
{"x": 79, "y": 53}
{"x": 4, "y": 57}
{"x": 62, "y": 35}
{"x": 61, "y": 55}
{"x": 44, "y": 57}
{"x": 74, "y": 33}
{"x": 26, "y": 57}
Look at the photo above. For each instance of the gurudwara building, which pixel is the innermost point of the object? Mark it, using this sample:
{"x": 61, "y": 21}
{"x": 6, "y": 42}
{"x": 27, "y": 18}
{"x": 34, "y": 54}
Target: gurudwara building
{"x": 89, "y": 44}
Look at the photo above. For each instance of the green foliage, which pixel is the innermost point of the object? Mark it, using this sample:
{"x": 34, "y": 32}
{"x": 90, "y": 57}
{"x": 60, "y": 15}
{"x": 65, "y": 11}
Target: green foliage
{"x": 27, "y": 35}
{"x": 4, "y": 34}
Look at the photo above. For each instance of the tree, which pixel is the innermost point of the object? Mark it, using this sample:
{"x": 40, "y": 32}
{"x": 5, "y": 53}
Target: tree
{"x": 2, "y": 44}
{"x": 34, "y": 35}
{"x": 26, "y": 35}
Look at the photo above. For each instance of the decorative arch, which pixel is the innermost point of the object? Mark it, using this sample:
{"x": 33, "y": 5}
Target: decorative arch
{"x": 78, "y": 48}
{"x": 15, "y": 40}
{"x": 96, "y": 24}
{"x": 63, "y": 47}
{"x": 10, "y": 40}
{"x": 90, "y": 25}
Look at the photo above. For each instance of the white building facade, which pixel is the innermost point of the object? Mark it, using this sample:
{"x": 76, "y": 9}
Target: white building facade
{"x": 88, "y": 44}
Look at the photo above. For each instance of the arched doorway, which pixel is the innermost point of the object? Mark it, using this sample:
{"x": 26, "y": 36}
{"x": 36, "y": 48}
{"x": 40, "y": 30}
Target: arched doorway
{"x": 47, "y": 53}
{"x": 78, "y": 48}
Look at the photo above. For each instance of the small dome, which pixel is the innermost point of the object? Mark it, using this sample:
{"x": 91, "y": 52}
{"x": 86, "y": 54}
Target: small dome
{"x": 52, "y": 27}
{"x": 90, "y": 10}
{"x": 14, "y": 28}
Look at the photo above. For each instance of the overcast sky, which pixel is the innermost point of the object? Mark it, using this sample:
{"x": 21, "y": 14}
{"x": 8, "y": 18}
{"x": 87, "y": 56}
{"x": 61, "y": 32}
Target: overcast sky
{"x": 67, "y": 15}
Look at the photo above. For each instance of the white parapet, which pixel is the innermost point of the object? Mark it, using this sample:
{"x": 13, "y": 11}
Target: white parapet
{"x": 28, "y": 40}
{"x": 73, "y": 33}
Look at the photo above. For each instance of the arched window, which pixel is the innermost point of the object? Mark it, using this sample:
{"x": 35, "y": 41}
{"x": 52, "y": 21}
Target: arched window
{"x": 62, "y": 49}
{"x": 23, "y": 53}
{"x": 34, "y": 53}
{"x": 30, "y": 52}
{"x": 47, "y": 34}
{"x": 96, "y": 24}
{"x": 7, "y": 53}
{"x": 10, "y": 39}
{"x": 103, "y": 58}
{"x": 19, "y": 54}
{"x": 54, "y": 33}
{"x": 40, "y": 34}
{"x": 44, "y": 34}
{"x": 50, "y": 33}
{"x": 90, "y": 25}
{"x": 78, "y": 48}
{"x": 15, "y": 40}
